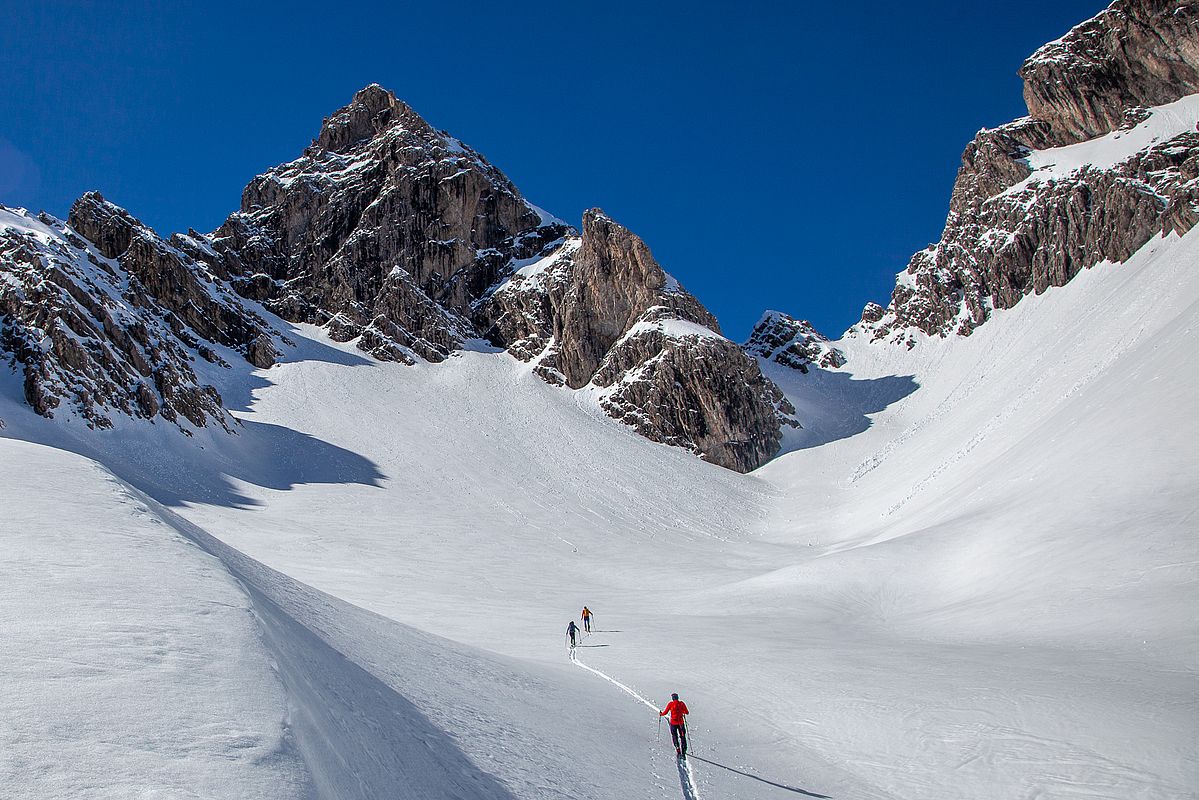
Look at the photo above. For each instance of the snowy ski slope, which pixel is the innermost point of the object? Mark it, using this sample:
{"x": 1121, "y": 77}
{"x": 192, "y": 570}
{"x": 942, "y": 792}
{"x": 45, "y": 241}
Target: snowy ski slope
{"x": 972, "y": 575}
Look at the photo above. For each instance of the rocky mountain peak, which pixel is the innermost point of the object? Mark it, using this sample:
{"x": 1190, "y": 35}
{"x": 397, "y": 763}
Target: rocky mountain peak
{"x": 616, "y": 281}
{"x": 371, "y": 111}
{"x": 1028, "y": 212}
{"x": 599, "y": 312}
{"x": 375, "y": 99}
{"x": 397, "y": 237}
{"x": 386, "y": 231}
{"x": 109, "y": 227}
{"x": 610, "y": 246}
{"x": 793, "y": 343}
{"x": 405, "y": 240}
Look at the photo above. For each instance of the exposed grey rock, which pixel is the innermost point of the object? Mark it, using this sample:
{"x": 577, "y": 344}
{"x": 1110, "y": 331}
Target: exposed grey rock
{"x": 615, "y": 281}
{"x": 409, "y": 324}
{"x": 792, "y": 343}
{"x": 199, "y": 305}
{"x": 1136, "y": 53}
{"x": 1010, "y": 234}
{"x": 599, "y": 310}
{"x": 689, "y": 388}
{"x": 86, "y": 333}
{"x": 384, "y": 228}
{"x": 995, "y": 161}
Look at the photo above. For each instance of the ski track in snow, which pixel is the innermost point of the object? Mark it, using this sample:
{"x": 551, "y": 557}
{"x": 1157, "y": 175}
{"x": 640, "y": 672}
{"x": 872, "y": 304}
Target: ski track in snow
{"x": 361, "y": 736}
{"x": 626, "y": 689}
{"x": 686, "y": 776}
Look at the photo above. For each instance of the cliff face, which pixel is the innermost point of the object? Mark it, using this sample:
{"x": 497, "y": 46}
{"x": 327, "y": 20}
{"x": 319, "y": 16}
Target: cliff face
{"x": 599, "y": 311}
{"x": 384, "y": 229}
{"x": 1137, "y": 53}
{"x": 117, "y": 324}
{"x": 1107, "y": 159}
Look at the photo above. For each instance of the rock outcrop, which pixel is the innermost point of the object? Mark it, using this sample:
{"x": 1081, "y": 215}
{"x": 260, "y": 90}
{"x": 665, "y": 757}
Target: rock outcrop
{"x": 103, "y": 317}
{"x": 384, "y": 229}
{"x": 198, "y": 305}
{"x": 600, "y": 312}
{"x": 1137, "y": 53}
{"x": 793, "y": 343}
{"x": 1030, "y": 209}
{"x": 680, "y": 383}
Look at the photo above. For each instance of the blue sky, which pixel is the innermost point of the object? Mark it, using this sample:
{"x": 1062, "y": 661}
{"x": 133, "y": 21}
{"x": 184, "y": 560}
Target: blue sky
{"x": 773, "y": 155}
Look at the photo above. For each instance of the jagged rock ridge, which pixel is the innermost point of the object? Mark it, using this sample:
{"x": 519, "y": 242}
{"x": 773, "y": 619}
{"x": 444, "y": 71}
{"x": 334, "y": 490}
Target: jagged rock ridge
{"x": 1013, "y": 231}
{"x": 793, "y": 343}
{"x": 385, "y": 230}
{"x": 117, "y": 324}
{"x": 601, "y": 312}
{"x": 400, "y": 238}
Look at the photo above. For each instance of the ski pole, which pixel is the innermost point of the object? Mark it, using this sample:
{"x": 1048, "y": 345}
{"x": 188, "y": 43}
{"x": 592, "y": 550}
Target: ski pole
{"x": 659, "y": 727}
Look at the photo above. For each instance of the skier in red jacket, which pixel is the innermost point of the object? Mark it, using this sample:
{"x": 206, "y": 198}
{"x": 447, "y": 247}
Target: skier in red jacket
{"x": 677, "y": 710}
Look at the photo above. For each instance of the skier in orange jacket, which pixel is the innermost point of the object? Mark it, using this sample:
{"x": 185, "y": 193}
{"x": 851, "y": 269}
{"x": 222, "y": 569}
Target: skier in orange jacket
{"x": 586, "y": 616}
{"x": 678, "y": 712}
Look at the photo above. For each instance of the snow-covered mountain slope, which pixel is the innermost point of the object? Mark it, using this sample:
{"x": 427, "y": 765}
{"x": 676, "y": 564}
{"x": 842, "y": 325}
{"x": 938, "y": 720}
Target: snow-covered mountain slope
{"x": 1107, "y": 159}
{"x": 133, "y": 666}
{"x": 974, "y": 572}
{"x": 139, "y": 665}
{"x": 1018, "y": 501}
{"x": 1032, "y": 506}
{"x": 1060, "y": 444}
{"x": 985, "y": 593}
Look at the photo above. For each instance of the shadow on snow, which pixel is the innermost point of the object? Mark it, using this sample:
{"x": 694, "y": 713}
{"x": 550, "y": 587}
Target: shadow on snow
{"x": 833, "y": 405}
{"x": 204, "y": 468}
{"x": 359, "y": 736}
{"x": 794, "y": 789}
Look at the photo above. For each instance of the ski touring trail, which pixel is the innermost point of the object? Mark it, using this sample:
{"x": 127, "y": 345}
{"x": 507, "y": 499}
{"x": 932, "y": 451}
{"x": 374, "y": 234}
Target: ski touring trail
{"x": 686, "y": 776}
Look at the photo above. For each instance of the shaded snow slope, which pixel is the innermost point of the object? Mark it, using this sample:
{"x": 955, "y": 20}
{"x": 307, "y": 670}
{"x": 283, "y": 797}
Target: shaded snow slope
{"x": 380, "y": 709}
{"x": 132, "y": 663}
{"x": 1059, "y": 445}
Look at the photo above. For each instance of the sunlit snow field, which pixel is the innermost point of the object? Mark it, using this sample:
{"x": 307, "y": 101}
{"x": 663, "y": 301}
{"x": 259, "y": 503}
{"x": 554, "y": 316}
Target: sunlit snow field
{"x": 972, "y": 575}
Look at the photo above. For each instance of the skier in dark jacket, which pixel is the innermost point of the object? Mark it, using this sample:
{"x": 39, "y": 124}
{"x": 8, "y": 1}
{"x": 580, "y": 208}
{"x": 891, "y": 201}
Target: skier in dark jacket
{"x": 678, "y": 712}
{"x": 572, "y": 630}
